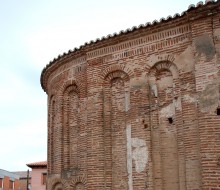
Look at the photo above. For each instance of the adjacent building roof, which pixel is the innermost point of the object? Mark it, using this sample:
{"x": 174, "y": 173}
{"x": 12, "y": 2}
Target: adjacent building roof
{"x": 11, "y": 175}
{"x": 37, "y": 164}
{"x": 95, "y": 43}
{"x": 22, "y": 174}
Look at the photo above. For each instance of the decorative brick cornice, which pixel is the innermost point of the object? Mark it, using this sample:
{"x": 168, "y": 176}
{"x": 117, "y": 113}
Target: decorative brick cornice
{"x": 110, "y": 43}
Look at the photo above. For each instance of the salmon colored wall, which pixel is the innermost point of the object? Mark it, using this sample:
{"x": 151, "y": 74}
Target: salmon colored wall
{"x": 36, "y": 179}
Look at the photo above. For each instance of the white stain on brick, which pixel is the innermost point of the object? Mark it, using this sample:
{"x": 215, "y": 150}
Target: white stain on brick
{"x": 168, "y": 111}
{"x": 154, "y": 90}
{"x": 136, "y": 150}
{"x": 189, "y": 98}
{"x": 177, "y": 103}
{"x": 129, "y": 157}
{"x": 139, "y": 154}
{"x": 127, "y": 101}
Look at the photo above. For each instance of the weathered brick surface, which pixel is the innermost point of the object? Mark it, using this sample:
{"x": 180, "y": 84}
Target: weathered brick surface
{"x": 138, "y": 110}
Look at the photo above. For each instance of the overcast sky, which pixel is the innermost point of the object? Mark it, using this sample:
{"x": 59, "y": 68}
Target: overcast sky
{"x": 32, "y": 33}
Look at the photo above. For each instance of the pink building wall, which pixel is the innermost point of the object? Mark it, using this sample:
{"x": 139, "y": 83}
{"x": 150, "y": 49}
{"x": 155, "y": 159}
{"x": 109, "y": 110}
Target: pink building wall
{"x": 38, "y": 175}
{"x": 37, "y": 179}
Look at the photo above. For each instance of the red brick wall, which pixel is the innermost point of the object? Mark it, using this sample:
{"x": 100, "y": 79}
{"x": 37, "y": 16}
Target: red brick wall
{"x": 16, "y": 184}
{"x": 6, "y": 182}
{"x": 139, "y": 110}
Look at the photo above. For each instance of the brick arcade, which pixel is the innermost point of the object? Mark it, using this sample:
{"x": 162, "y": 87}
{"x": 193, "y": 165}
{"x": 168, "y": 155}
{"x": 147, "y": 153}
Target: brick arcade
{"x": 139, "y": 109}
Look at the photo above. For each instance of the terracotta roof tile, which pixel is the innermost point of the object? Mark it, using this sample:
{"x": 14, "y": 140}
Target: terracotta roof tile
{"x": 37, "y": 164}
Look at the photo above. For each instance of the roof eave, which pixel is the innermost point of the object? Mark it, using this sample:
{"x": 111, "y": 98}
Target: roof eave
{"x": 95, "y": 44}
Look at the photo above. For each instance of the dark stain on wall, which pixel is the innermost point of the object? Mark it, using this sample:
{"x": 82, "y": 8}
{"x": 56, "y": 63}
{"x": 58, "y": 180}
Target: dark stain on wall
{"x": 204, "y": 45}
{"x": 209, "y": 97}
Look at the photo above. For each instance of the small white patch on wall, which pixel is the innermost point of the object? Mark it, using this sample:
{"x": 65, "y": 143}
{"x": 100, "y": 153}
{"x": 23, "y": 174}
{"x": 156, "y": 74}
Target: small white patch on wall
{"x": 127, "y": 101}
{"x": 137, "y": 151}
{"x": 129, "y": 157}
{"x": 167, "y": 111}
{"x": 177, "y": 104}
{"x": 154, "y": 90}
{"x": 139, "y": 154}
{"x": 189, "y": 98}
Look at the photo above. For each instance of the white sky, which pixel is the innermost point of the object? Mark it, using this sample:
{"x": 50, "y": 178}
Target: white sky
{"x": 32, "y": 33}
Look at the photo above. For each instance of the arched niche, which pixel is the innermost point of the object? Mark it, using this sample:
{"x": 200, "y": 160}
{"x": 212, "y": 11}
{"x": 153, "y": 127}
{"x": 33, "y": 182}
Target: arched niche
{"x": 116, "y": 106}
{"x": 51, "y": 133}
{"x": 78, "y": 183}
{"x": 70, "y": 127}
{"x": 79, "y": 186}
{"x": 58, "y": 186}
{"x": 166, "y": 126}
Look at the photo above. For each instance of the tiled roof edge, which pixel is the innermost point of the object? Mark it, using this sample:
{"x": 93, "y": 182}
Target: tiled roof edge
{"x": 128, "y": 30}
{"x": 37, "y": 164}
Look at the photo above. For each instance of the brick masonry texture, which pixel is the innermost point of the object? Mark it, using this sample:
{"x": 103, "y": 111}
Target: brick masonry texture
{"x": 140, "y": 109}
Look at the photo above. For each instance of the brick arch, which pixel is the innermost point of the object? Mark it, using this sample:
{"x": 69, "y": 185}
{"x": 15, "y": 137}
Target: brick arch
{"x": 81, "y": 88}
{"x": 53, "y": 181}
{"x": 57, "y": 186}
{"x": 77, "y": 180}
{"x": 77, "y": 85}
{"x": 65, "y": 183}
{"x": 164, "y": 65}
{"x": 116, "y": 71}
{"x": 52, "y": 92}
{"x": 51, "y": 96}
{"x": 70, "y": 88}
{"x": 116, "y": 74}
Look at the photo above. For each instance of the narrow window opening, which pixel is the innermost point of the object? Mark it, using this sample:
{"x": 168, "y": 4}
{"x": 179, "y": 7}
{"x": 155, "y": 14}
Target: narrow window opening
{"x": 218, "y": 111}
{"x": 44, "y": 178}
{"x": 170, "y": 119}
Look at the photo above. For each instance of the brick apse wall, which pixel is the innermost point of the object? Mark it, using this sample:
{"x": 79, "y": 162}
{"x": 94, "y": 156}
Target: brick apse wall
{"x": 139, "y": 109}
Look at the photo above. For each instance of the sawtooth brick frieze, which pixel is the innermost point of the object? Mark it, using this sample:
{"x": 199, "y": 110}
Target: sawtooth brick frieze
{"x": 138, "y": 109}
